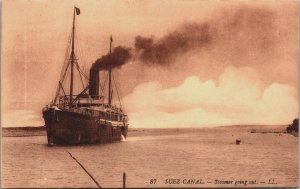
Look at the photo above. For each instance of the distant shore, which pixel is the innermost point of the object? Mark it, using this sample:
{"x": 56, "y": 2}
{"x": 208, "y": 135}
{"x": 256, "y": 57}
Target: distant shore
{"x": 41, "y": 130}
{"x": 23, "y": 131}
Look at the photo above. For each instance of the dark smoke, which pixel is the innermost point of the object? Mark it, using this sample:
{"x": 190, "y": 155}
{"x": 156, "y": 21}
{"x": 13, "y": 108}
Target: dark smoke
{"x": 117, "y": 58}
{"x": 232, "y": 34}
{"x": 240, "y": 30}
{"x": 187, "y": 37}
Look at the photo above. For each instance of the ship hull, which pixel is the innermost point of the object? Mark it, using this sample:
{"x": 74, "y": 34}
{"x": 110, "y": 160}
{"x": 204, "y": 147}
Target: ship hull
{"x": 71, "y": 128}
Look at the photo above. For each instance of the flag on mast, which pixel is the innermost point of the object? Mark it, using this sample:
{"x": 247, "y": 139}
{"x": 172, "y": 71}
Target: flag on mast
{"x": 77, "y": 11}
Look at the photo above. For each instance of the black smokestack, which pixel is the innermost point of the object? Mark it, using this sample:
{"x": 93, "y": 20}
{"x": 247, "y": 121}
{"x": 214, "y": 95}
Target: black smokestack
{"x": 184, "y": 39}
{"x": 117, "y": 58}
{"x": 94, "y": 83}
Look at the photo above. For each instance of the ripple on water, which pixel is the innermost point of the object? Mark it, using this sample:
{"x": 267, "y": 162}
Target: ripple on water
{"x": 203, "y": 154}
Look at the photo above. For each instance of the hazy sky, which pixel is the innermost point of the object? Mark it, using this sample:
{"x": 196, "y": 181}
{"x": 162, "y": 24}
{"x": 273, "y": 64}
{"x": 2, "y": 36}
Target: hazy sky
{"x": 230, "y": 62}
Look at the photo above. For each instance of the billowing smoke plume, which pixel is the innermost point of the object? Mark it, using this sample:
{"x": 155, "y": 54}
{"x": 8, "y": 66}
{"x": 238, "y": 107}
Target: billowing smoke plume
{"x": 187, "y": 37}
{"x": 233, "y": 34}
{"x": 242, "y": 29}
{"x": 117, "y": 58}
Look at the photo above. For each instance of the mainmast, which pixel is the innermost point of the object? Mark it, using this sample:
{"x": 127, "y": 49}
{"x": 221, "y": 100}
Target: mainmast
{"x": 109, "y": 76}
{"x": 72, "y": 57}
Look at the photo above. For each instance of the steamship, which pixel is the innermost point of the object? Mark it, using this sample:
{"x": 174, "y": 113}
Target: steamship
{"x": 87, "y": 116}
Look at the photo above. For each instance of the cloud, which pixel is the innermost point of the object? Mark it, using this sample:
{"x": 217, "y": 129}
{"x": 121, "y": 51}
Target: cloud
{"x": 236, "y": 97}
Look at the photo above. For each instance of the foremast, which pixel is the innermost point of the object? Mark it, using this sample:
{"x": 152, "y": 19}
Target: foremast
{"x": 69, "y": 64}
{"x": 72, "y": 58}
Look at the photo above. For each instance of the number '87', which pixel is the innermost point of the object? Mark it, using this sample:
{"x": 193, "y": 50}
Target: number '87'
{"x": 152, "y": 181}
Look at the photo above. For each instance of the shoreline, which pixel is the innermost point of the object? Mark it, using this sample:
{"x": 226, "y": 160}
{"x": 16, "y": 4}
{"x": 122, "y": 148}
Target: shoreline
{"x": 253, "y": 129}
{"x": 23, "y": 131}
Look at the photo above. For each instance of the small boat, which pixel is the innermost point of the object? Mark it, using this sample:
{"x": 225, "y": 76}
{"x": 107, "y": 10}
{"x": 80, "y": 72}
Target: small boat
{"x": 253, "y": 131}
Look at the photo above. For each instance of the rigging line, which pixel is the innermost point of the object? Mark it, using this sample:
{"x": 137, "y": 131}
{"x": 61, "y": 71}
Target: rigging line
{"x": 90, "y": 175}
{"x": 67, "y": 52}
{"x": 79, "y": 52}
{"x": 88, "y": 53}
{"x": 117, "y": 90}
{"x": 117, "y": 85}
{"x": 66, "y": 60}
{"x": 77, "y": 49}
{"x": 80, "y": 94}
{"x": 65, "y": 64}
{"x": 81, "y": 80}
{"x": 81, "y": 55}
{"x": 79, "y": 69}
{"x": 104, "y": 84}
{"x": 81, "y": 72}
{"x": 61, "y": 81}
{"x": 65, "y": 72}
{"x": 62, "y": 88}
{"x": 76, "y": 63}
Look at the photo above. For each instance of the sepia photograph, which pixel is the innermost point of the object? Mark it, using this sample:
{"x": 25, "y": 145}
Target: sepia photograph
{"x": 149, "y": 94}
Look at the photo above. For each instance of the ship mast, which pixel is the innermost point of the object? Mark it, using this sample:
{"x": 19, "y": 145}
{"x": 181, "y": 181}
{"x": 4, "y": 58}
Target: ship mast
{"x": 70, "y": 63}
{"x": 72, "y": 58}
{"x": 109, "y": 75}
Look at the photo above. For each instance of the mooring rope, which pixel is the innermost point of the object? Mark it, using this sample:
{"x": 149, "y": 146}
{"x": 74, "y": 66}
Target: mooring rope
{"x": 85, "y": 170}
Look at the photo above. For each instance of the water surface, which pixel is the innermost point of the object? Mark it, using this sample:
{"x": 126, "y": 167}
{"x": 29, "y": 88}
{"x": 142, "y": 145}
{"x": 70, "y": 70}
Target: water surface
{"x": 161, "y": 154}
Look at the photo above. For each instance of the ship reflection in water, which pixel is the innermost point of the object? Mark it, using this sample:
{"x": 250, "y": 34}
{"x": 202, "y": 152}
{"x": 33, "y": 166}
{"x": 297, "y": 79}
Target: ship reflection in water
{"x": 192, "y": 154}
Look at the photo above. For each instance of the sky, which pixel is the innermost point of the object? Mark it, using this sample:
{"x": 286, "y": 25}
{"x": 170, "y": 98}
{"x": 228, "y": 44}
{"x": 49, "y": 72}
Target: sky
{"x": 208, "y": 63}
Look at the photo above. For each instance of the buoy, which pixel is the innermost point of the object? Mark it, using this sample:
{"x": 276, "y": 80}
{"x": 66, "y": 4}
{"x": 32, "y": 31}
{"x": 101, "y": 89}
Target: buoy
{"x": 238, "y": 141}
